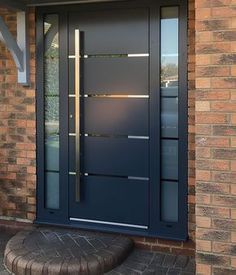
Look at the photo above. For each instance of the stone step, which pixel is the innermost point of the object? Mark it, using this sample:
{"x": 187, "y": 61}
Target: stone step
{"x": 54, "y": 251}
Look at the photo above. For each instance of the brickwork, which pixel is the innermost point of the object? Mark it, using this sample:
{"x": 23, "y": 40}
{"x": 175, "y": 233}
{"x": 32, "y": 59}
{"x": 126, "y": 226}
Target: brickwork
{"x": 17, "y": 132}
{"x": 215, "y": 136}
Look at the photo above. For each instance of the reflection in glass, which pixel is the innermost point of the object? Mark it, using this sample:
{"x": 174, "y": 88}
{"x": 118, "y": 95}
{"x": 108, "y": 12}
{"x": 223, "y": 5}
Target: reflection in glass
{"x": 169, "y": 117}
{"x": 169, "y": 113}
{"x": 169, "y": 159}
{"x": 51, "y": 110}
{"x": 169, "y": 47}
{"x": 169, "y": 201}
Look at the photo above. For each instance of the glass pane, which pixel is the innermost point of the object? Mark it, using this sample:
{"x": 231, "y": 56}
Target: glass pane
{"x": 52, "y": 153}
{"x": 169, "y": 201}
{"x": 169, "y": 117}
{"x": 169, "y": 159}
{"x": 169, "y": 112}
{"x": 51, "y": 109}
{"x": 169, "y": 47}
{"x": 52, "y": 133}
{"x": 52, "y": 190}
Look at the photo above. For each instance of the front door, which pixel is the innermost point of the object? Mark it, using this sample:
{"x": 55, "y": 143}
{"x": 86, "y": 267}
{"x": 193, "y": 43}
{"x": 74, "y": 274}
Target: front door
{"x": 110, "y": 183}
{"x": 118, "y": 100}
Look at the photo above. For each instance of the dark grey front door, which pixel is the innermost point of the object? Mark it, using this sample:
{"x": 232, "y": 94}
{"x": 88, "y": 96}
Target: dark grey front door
{"x": 113, "y": 73}
{"x": 112, "y": 116}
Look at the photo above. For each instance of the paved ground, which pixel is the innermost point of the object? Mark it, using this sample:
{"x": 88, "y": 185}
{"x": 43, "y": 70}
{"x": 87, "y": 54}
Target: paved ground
{"x": 4, "y": 237}
{"x": 139, "y": 262}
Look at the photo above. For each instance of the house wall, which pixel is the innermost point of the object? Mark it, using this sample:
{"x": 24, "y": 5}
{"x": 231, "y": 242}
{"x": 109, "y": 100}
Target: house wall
{"x": 17, "y": 132}
{"x": 18, "y": 150}
{"x": 215, "y": 136}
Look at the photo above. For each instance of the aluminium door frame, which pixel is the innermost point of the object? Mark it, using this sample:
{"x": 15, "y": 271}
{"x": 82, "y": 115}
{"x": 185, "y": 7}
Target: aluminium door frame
{"x": 158, "y": 228}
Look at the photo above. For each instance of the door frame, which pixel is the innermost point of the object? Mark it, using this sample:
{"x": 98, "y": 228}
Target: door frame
{"x": 157, "y": 228}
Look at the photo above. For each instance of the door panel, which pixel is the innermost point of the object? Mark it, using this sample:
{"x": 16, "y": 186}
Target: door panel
{"x": 109, "y": 199}
{"x": 113, "y": 75}
{"x": 110, "y": 116}
{"x": 114, "y": 116}
{"x": 111, "y": 32}
{"x": 113, "y": 156}
{"x": 116, "y": 156}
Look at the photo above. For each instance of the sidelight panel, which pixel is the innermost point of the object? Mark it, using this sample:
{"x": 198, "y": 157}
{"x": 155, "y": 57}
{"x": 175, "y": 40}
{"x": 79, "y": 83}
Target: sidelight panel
{"x": 169, "y": 117}
{"x": 169, "y": 159}
{"x": 52, "y": 190}
{"x": 169, "y": 113}
{"x": 169, "y": 201}
{"x": 51, "y": 110}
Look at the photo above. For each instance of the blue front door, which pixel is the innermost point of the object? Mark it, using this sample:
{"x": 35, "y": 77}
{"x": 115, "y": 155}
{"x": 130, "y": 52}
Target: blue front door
{"x": 113, "y": 109}
{"x": 112, "y": 117}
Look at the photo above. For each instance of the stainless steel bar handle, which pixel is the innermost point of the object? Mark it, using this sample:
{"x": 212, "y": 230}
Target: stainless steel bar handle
{"x": 77, "y": 111}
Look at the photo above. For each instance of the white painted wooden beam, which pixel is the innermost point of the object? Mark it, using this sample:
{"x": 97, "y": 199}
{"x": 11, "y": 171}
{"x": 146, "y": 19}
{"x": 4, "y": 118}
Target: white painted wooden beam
{"x": 19, "y": 49}
{"x": 23, "y": 43}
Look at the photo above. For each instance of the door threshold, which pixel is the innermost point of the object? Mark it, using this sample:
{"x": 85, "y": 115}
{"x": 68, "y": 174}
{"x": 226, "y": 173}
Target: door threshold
{"x": 110, "y": 223}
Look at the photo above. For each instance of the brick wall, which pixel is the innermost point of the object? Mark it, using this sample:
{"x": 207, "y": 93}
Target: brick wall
{"x": 17, "y": 132}
{"x": 216, "y": 136}
{"x": 17, "y": 141}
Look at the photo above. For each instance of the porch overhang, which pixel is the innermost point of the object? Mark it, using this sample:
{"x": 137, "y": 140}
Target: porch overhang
{"x": 17, "y": 5}
{"x": 23, "y": 4}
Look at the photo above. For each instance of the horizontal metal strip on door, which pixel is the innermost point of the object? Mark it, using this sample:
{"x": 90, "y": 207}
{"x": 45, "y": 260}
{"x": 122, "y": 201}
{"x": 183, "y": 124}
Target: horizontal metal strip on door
{"x": 111, "y": 55}
{"x": 71, "y": 173}
{"x": 111, "y": 31}
{"x": 72, "y": 134}
{"x": 116, "y": 116}
{"x": 109, "y": 200}
{"x": 109, "y": 96}
{"x": 112, "y": 156}
{"x": 112, "y": 76}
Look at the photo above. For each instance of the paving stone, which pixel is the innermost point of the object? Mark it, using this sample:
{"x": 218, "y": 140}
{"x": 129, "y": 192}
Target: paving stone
{"x": 181, "y": 261}
{"x": 161, "y": 271}
{"x": 138, "y": 262}
{"x": 190, "y": 265}
{"x": 173, "y": 271}
{"x": 169, "y": 260}
{"x": 57, "y": 246}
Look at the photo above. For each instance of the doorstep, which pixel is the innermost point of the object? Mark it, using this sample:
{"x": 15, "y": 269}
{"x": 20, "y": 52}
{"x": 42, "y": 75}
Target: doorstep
{"x": 68, "y": 251}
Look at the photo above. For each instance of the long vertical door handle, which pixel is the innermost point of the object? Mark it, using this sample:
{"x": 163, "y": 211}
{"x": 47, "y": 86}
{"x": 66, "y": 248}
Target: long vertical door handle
{"x": 77, "y": 111}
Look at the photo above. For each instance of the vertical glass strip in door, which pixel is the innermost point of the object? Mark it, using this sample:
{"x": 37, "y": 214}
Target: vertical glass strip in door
{"x": 51, "y": 110}
{"x": 169, "y": 113}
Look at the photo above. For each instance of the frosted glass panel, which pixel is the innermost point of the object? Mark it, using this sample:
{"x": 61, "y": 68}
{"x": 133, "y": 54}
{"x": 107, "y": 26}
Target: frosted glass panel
{"x": 52, "y": 190}
{"x": 169, "y": 201}
{"x": 169, "y": 117}
{"x": 169, "y": 113}
{"x": 169, "y": 159}
{"x": 52, "y": 153}
{"x": 51, "y": 110}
